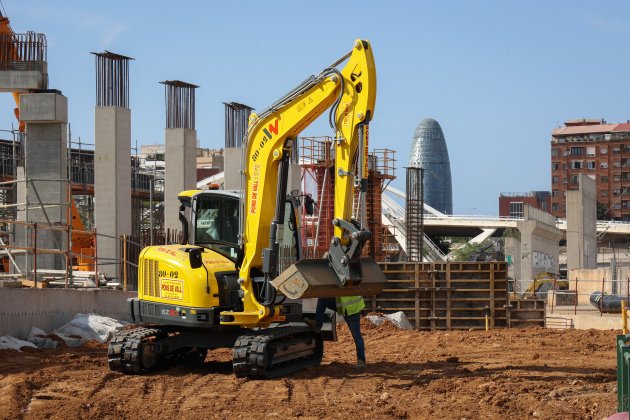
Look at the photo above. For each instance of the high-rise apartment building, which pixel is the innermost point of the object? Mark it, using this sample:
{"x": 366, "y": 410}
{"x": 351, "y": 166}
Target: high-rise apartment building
{"x": 602, "y": 152}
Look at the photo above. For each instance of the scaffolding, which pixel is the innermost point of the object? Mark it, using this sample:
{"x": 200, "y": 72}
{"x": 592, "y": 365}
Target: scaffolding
{"x": 414, "y": 212}
{"x": 317, "y": 162}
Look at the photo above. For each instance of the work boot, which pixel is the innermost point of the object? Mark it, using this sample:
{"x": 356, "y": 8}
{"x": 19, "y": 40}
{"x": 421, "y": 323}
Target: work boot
{"x": 361, "y": 365}
{"x": 314, "y": 326}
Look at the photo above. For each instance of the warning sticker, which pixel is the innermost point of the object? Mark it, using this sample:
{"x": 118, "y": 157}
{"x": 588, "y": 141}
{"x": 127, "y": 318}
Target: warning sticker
{"x": 172, "y": 289}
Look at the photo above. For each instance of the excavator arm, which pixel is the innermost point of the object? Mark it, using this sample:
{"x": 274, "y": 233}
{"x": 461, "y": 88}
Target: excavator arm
{"x": 351, "y": 92}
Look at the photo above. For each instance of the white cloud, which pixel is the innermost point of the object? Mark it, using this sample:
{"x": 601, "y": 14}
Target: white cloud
{"x": 105, "y": 28}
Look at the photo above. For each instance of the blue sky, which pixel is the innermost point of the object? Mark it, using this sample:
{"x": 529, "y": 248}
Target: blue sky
{"x": 497, "y": 75}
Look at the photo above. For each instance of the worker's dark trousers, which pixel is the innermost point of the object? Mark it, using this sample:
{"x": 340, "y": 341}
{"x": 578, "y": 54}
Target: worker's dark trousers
{"x": 353, "y": 322}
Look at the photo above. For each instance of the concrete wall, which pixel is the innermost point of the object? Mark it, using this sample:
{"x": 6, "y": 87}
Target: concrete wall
{"x": 582, "y": 225}
{"x": 539, "y": 243}
{"x": 590, "y": 280}
{"x": 180, "y": 172}
{"x": 112, "y": 182}
{"x": 49, "y": 309}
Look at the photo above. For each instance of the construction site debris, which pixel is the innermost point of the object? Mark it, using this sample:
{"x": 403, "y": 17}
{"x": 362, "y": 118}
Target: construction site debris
{"x": 41, "y": 339}
{"x": 497, "y": 374}
{"x": 399, "y": 319}
{"x": 8, "y": 342}
{"x": 85, "y": 327}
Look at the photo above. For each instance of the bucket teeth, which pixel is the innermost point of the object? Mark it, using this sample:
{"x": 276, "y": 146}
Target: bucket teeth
{"x": 314, "y": 278}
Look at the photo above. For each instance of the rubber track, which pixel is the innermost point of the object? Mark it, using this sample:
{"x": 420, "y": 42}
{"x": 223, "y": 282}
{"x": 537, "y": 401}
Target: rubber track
{"x": 251, "y": 357}
{"x": 123, "y": 353}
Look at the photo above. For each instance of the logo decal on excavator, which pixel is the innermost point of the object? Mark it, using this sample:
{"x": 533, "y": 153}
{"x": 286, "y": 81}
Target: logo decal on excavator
{"x": 253, "y": 202}
{"x": 172, "y": 289}
{"x": 273, "y": 128}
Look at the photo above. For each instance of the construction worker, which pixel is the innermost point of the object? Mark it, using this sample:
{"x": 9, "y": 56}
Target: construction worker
{"x": 350, "y": 308}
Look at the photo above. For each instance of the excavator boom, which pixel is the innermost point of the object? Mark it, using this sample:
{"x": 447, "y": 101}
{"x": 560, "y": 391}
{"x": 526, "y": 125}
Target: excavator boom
{"x": 350, "y": 93}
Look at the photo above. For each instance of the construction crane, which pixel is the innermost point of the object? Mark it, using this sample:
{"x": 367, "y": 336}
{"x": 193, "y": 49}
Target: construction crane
{"x": 226, "y": 285}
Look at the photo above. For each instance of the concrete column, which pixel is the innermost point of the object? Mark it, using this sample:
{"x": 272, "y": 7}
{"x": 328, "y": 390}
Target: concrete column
{"x": 232, "y": 168}
{"x": 294, "y": 183}
{"x": 45, "y": 171}
{"x": 582, "y": 225}
{"x": 112, "y": 183}
{"x": 180, "y": 172}
{"x": 539, "y": 238}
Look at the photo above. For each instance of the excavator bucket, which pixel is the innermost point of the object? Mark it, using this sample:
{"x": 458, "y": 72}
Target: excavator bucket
{"x": 315, "y": 278}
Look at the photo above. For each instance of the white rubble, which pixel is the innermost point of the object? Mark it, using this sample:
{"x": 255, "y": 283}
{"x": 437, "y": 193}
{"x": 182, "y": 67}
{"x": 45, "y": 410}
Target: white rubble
{"x": 8, "y": 342}
{"x": 399, "y": 319}
{"x": 86, "y": 327}
{"x": 38, "y": 337}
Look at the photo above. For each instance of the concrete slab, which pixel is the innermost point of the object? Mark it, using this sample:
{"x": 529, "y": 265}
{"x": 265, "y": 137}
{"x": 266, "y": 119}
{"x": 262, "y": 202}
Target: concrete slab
{"x": 23, "y": 80}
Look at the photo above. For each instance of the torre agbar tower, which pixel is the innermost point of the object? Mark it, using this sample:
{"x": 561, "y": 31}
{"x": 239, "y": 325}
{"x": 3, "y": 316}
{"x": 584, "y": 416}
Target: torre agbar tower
{"x": 428, "y": 151}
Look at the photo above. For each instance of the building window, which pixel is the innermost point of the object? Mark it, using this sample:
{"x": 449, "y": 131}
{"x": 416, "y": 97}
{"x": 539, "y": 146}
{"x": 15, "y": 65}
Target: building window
{"x": 575, "y": 151}
{"x": 554, "y": 152}
{"x": 554, "y": 207}
{"x": 603, "y": 150}
{"x": 603, "y": 165}
{"x": 576, "y": 164}
{"x": 575, "y": 178}
{"x": 616, "y": 178}
{"x": 555, "y": 193}
{"x": 616, "y": 192}
{"x": 616, "y": 164}
{"x": 555, "y": 180}
{"x": 554, "y": 166}
{"x": 617, "y": 206}
{"x": 616, "y": 149}
{"x": 590, "y": 151}
{"x": 590, "y": 164}
{"x": 604, "y": 179}
{"x": 516, "y": 209}
{"x": 604, "y": 193}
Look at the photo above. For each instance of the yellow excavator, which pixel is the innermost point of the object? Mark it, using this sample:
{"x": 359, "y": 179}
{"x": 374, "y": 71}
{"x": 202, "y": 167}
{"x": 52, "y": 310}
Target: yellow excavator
{"x": 238, "y": 278}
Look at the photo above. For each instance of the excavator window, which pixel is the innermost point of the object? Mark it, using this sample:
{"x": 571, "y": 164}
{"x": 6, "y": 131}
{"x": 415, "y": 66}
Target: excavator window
{"x": 216, "y": 223}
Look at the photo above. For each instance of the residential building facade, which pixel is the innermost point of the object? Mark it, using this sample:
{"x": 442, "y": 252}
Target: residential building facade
{"x": 602, "y": 152}
{"x": 512, "y": 204}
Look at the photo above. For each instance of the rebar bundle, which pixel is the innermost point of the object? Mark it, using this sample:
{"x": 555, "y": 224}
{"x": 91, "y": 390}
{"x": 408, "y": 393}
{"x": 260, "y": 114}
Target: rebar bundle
{"x": 112, "y": 79}
{"x": 236, "y": 121}
{"x": 22, "y": 51}
{"x": 180, "y": 104}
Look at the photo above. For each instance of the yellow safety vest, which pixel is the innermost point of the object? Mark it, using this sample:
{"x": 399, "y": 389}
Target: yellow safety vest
{"x": 349, "y": 305}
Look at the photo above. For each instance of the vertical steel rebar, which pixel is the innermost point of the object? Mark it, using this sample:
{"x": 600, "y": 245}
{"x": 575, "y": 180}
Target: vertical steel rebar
{"x": 179, "y": 100}
{"x": 112, "y": 79}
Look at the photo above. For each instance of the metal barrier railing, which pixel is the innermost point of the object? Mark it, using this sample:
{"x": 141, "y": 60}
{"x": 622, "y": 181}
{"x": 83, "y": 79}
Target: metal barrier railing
{"x": 623, "y": 372}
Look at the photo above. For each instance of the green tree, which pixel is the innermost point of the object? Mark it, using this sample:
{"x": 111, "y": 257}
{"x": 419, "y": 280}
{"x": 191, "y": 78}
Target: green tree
{"x": 469, "y": 252}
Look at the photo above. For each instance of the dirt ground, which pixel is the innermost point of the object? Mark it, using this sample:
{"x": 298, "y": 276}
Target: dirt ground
{"x": 532, "y": 373}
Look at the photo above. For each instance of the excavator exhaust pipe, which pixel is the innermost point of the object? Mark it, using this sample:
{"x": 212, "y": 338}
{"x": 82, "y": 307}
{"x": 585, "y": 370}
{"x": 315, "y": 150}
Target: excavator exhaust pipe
{"x": 315, "y": 278}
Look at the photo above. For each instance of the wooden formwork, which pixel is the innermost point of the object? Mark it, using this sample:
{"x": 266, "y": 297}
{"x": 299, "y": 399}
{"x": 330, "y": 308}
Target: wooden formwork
{"x": 442, "y": 296}
{"x": 527, "y": 313}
